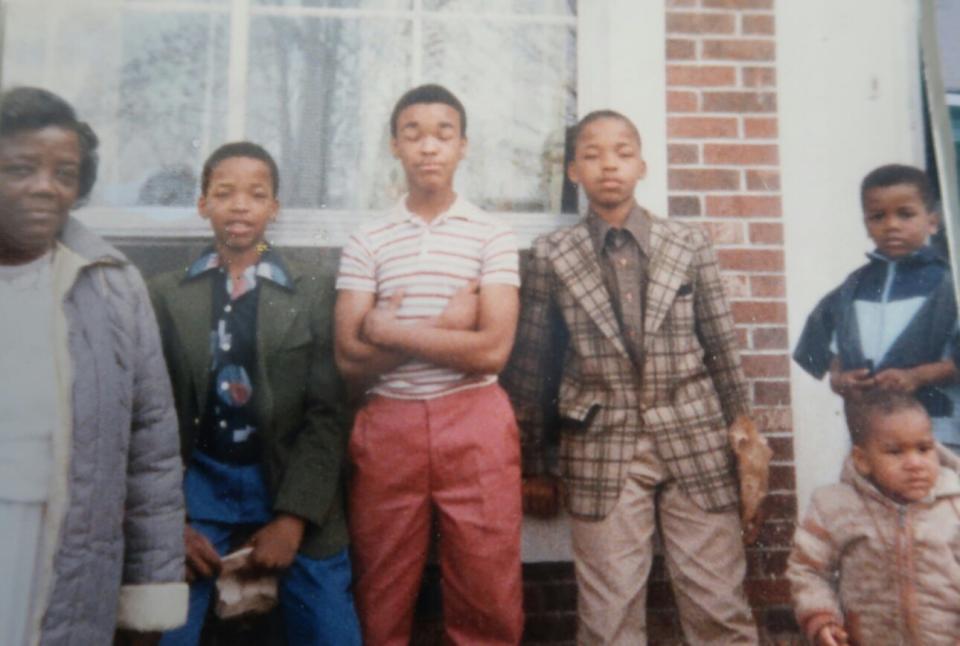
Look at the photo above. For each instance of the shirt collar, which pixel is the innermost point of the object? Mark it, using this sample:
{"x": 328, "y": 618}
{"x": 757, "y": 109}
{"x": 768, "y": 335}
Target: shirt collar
{"x": 924, "y": 255}
{"x": 270, "y": 266}
{"x": 461, "y": 209}
{"x": 637, "y": 224}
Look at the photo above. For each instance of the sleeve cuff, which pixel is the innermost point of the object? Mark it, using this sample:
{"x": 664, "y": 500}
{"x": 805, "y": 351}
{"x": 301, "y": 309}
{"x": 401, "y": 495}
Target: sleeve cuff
{"x": 153, "y": 606}
{"x": 814, "y": 623}
{"x": 312, "y": 509}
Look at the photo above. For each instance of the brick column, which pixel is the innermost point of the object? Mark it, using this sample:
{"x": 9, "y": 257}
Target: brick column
{"x": 724, "y": 174}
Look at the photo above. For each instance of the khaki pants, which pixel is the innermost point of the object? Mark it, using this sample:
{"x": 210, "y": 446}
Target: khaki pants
{"x": 704, "y": 556}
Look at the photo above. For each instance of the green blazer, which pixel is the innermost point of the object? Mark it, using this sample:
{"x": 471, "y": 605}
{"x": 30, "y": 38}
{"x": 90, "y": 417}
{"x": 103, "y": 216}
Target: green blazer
{"x": 299, "y": 403}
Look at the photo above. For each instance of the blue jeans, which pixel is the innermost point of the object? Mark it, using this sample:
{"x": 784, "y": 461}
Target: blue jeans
{"x": 315, "y": 598}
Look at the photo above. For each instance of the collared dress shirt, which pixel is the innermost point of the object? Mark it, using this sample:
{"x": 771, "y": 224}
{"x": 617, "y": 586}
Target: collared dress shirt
{"x": 224, "y": 480}
{"x": 624, "y": 254}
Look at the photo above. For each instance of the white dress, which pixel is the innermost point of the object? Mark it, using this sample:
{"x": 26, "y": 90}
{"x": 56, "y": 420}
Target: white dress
{"x": 28, "y": 417}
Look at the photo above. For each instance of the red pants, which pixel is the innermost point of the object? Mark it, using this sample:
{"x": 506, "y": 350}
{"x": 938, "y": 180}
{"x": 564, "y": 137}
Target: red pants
{"x": 458, "y": 455}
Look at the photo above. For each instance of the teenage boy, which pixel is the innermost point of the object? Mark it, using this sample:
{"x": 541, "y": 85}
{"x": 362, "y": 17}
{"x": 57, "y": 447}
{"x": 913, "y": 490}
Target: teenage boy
{"x": 436, "y": 432}
{"x": 626, "y": 346}
{"x": 247, "y": 339}
{"x": 892, "y": 324}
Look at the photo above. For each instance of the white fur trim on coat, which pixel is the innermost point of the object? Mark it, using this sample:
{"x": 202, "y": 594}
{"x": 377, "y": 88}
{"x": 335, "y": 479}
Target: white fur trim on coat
{"x": 153, "y": 606}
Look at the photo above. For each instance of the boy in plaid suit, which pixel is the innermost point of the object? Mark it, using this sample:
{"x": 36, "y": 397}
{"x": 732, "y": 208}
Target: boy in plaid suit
{"x": 626, "y": 347}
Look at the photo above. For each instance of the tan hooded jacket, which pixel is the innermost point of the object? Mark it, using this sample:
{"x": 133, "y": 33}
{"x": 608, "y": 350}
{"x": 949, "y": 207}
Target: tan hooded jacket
{"x": 889, "y": 573}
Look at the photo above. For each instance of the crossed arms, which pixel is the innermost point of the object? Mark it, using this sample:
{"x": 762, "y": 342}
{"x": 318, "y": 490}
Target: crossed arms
{"x": 474, "y": 334}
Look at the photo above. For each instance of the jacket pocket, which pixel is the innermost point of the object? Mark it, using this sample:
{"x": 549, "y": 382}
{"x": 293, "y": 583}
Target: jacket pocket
{"x": 579, "y": 425}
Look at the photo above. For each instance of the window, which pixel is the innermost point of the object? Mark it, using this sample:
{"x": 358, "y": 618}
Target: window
{"x": 941, "y": 61}
{"x": 163, "y": 82}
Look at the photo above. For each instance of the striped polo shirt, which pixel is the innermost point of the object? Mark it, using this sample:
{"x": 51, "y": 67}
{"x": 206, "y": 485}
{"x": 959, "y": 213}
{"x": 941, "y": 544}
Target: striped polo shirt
{"x": 429, "y": 261}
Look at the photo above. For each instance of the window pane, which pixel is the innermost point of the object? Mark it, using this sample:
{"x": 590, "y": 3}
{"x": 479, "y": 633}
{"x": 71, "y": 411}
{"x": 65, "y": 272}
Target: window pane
{"x": 152, "y": 86}
{"x": 518, "y": 84}
{"x": 552, "y": 7}
{"x": 947, "y": 16}
{"x": 948, "y": 21}
{"x": 320, "y": 95}
{"x": 941, "y": 59}
{"x": 172, "y": 100}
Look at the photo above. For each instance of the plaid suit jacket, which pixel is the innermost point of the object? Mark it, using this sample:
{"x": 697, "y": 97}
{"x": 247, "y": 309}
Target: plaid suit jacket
{"x": 570, "y": 372}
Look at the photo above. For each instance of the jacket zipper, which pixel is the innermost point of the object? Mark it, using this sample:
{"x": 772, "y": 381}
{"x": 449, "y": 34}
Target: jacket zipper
{"x": 905, "y": 574}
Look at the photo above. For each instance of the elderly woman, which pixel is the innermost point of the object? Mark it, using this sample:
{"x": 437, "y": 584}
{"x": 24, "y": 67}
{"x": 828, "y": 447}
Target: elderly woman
{"x": 91, "y": 509}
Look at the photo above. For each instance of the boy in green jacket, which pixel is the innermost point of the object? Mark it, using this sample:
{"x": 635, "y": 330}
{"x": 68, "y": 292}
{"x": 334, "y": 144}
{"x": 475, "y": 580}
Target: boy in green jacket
{"x": 248, "y": 343}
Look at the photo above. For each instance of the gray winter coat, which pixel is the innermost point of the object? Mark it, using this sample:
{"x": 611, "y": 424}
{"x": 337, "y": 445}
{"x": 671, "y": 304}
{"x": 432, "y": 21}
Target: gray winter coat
{"x": 114, "y": 528}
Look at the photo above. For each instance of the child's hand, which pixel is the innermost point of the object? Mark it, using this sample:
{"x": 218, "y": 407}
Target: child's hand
{"x": 832, "y": 635}
{"x": 851, "y": 382}
{"x": 379, "y": 320}
{"x": 461, "y": 310}
{"x": 275, "y": 544}
{"x": 902, "y": 381}
{"x": 203, "y": 561}
{"x": 541, "y": 496}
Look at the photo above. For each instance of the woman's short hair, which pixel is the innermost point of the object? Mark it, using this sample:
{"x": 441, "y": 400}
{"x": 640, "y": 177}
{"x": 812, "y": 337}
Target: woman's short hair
{"x": 33, "y": 108}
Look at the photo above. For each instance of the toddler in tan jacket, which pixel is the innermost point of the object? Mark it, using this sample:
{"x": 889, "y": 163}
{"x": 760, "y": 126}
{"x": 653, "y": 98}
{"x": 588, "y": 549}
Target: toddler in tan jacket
{"x": 876, "y": 559}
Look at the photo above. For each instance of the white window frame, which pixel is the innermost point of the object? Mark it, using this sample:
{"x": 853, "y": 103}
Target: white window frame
{"x": 620, "y": 65}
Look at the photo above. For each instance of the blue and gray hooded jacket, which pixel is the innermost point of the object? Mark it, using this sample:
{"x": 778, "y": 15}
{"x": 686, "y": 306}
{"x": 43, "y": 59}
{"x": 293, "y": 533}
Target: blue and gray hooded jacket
{"x": 888, "y": 314}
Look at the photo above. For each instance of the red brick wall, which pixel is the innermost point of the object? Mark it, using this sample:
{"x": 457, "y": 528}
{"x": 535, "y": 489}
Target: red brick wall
{"x": 723, "y": 157}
